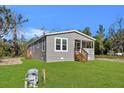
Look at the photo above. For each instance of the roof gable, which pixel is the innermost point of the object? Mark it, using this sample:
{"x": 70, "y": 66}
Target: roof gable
{"x": 64, "y": 32}
{"x": 69, "y": 31}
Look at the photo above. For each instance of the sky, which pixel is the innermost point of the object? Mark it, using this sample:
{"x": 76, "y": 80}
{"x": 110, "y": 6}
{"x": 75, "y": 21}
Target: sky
{"x": 60, "y": 18}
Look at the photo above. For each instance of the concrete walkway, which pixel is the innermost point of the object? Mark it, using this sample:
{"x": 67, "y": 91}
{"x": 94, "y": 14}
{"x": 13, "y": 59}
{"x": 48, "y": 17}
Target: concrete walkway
{"x": 109, "y": 59}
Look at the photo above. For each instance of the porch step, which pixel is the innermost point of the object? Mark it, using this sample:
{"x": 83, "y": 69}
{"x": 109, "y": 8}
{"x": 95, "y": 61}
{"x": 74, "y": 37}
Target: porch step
{"x": 81, "y": 57}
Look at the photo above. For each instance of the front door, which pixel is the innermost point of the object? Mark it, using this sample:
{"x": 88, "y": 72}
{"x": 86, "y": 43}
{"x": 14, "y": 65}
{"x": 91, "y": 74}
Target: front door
{"x": 77, "y": 45}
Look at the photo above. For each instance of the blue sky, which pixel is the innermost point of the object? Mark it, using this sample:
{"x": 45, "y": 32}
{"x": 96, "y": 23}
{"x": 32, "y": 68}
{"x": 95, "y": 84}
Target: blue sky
{"x": 67, "y": 17}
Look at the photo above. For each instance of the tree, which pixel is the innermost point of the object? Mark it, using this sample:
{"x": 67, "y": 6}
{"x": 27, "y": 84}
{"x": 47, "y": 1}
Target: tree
{"x": 107, "y": 44}
{"x": 116, "y": 36}
{"x": 100, "y": 39}
{"x": 4, "y": 20}
{"x": 23, "y": 46}
{"x": 1, "y": 48}
{"x": 87, "y": 31}
{"x": 9, "y": 22}
{"x": 5, "y": 48}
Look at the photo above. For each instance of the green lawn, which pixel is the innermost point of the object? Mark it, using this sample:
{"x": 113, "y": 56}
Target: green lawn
{"x": 67, "y": 74}
{"x": 14, "y": 75}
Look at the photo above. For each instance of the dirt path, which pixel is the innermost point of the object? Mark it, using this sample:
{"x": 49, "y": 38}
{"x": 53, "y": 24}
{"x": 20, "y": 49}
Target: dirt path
{"x": 10, "y": 61}
{"x": 109, "y": 59}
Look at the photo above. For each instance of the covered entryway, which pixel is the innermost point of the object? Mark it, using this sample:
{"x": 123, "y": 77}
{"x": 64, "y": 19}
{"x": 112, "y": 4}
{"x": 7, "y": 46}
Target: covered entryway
{"x": 85, "y": 49}
{"x": 80, "y": 54}
{"x": 77, "y": 45}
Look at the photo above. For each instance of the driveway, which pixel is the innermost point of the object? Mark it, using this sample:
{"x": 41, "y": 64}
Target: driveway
{"x": 109, "y": 59}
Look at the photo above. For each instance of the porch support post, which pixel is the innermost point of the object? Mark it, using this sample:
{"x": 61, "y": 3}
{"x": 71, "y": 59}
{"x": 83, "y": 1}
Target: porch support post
{"x": 81, "y": 44}
{"x": 94, "y": 49}
{"x": 93, "y": 45}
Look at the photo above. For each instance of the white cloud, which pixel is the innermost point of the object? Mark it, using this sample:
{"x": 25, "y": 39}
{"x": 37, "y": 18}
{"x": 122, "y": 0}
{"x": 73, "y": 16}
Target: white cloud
{"x": 27, "y": 32}
{"x": 31, "y": 32}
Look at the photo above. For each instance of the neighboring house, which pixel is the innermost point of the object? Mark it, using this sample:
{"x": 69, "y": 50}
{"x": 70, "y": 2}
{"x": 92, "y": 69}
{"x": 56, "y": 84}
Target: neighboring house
{"x": 61, "y": 46}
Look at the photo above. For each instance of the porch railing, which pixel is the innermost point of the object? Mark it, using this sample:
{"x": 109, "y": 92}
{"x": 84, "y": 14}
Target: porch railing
{"x": 81, "y": 55}
{"x": 84, "y": 53}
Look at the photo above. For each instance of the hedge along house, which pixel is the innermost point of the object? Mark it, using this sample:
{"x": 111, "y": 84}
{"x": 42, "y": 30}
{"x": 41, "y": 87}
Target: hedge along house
{"x": 62, "y": 46}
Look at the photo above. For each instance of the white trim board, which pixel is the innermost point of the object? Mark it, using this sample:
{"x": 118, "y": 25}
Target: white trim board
{"x": 68, "y": 31}
{"x": 63, "y": 32}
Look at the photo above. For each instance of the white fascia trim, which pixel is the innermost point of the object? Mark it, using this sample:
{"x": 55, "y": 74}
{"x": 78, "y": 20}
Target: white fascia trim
{"x": 62, "y": 33}
{"x": 71, "y": 31}
{"x": 85, "y": 35}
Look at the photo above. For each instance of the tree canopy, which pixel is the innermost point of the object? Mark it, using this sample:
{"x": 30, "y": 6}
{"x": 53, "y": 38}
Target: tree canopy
{"x": 87, "y": 31}
{"x": 9, "y": 23}
{"x": 100, "y": 39}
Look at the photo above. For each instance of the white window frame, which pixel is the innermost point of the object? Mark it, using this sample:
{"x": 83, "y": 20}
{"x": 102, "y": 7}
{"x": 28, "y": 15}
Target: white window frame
{"x": 43, "y": 43}
{"x": 61, "y": 38}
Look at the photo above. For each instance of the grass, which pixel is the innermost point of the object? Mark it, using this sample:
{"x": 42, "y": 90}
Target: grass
{"x": 94, "y": 74}
{"x": 12, "y": 76}
{"x": 110, "y": 56}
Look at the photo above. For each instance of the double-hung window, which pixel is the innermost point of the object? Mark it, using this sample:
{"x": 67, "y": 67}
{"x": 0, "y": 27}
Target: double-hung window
{"x": 64, "y": 44}
{"x": 58, "y": 44}
{"x": 61, "y": 44}
{"x": 43, "y": 44}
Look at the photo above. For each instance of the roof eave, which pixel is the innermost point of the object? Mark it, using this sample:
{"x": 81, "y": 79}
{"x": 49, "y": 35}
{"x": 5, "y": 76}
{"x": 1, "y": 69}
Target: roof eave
{"x": 54, "y": 33}
{"x": 36, "y": 40}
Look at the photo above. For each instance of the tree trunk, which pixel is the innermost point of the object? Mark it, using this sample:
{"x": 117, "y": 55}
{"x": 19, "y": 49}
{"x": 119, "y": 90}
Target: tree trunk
{"x": 15, "y": 40}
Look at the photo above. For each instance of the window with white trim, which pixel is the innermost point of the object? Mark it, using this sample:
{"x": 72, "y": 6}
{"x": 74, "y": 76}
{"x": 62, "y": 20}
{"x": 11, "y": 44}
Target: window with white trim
{"x": 58, "y": 44}
{"x": 61, "y": 44}
{"x": 64, "y": 44}
{"x": 43, "y": 44}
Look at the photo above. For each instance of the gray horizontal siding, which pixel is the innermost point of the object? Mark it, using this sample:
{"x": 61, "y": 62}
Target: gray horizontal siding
{"x": 37, "y": 52}
{"x": 52, "y": 56}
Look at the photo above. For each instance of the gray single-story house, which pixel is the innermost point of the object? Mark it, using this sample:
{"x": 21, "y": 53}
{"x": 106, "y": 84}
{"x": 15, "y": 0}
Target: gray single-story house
{"x": 61, "y": 46}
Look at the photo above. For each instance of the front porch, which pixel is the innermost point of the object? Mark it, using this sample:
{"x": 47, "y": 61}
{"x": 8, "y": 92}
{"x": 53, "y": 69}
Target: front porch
{"x": 85, "y": 49}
